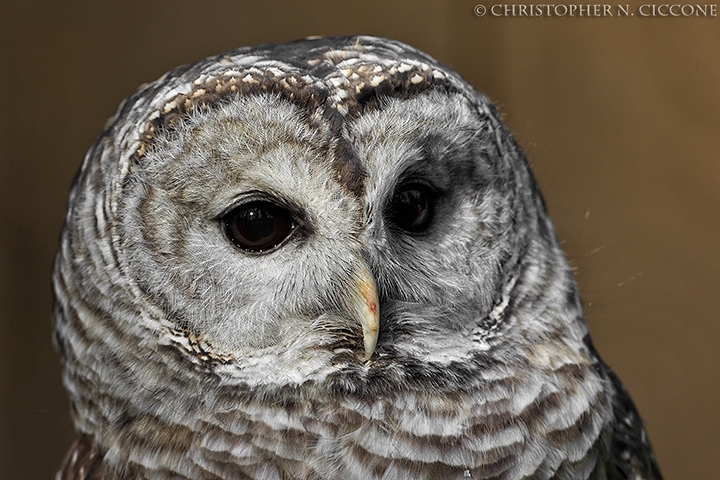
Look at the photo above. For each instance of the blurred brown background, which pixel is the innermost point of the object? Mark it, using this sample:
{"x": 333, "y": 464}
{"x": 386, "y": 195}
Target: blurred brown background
{"x": 620, "y": 118}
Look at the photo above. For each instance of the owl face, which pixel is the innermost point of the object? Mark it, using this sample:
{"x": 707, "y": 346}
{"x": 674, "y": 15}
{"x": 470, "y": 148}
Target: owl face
{"x": 238, "y": 228}
{"x": 339, "y": 226}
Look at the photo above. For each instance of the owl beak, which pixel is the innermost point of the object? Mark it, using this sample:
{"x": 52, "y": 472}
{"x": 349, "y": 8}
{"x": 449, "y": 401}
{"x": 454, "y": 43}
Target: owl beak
{"x": 366, "y": 309}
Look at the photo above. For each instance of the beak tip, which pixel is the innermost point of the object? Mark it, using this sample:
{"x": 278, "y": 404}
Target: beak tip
{"x": 370, "y": 344}
{"x": 370, "y": 335}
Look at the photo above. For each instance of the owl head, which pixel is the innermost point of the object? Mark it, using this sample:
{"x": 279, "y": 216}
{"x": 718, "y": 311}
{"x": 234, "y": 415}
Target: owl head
{"x": 288, "y": 227}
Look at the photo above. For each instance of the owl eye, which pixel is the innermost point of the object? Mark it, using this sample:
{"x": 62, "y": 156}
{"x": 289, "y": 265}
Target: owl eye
{"x": 411, "y": 208}
{"x": 258, "y": 225}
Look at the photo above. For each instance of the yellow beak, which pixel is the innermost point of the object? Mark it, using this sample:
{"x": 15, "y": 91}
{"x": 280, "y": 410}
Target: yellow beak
{"x": 366, "y": 308}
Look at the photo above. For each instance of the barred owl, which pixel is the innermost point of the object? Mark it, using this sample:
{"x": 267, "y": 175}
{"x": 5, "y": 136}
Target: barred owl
{"x": 326, "y": 259}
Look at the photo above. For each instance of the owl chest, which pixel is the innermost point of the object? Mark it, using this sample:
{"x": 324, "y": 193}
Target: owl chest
{"x": 380, "y": 441}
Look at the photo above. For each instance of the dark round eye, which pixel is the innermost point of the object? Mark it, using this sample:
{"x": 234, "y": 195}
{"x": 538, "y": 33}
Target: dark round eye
{"x": 411, "y": 208}
{"x": 258, "y": 226}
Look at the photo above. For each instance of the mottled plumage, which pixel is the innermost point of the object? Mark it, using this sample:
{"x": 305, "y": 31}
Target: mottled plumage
{"x": 326, "y": 259}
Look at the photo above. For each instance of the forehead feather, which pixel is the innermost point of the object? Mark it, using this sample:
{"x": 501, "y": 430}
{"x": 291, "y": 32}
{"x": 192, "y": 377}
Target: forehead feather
{"x": 331, "y": 80}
